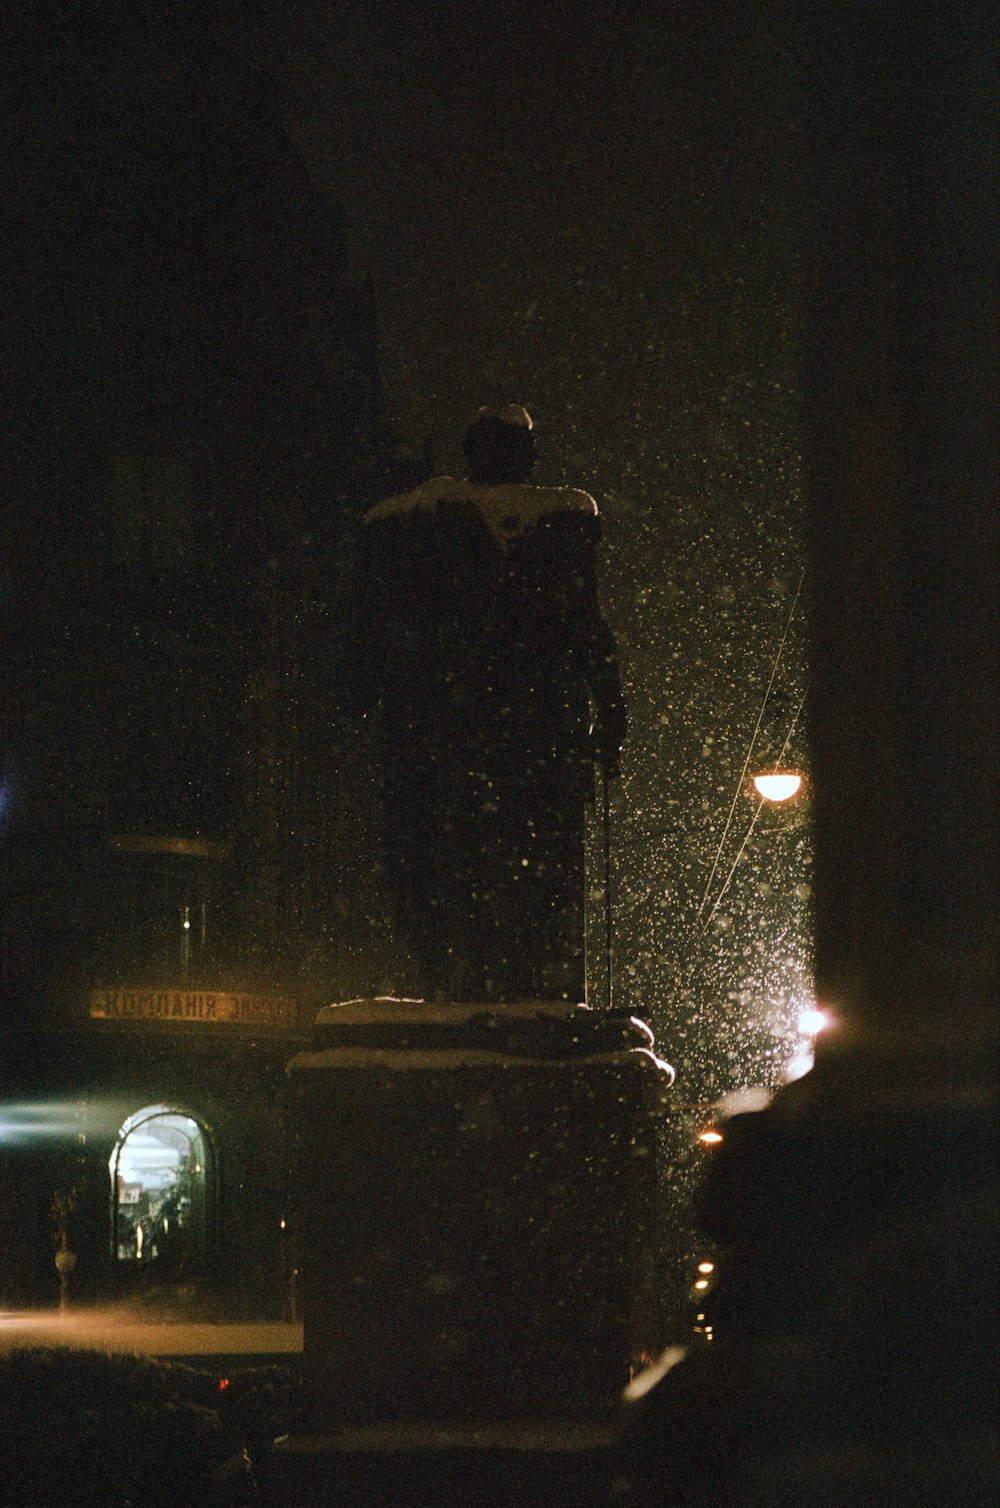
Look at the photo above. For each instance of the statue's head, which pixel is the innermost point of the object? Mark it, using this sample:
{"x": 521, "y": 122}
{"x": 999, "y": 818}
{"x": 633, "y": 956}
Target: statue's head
{"x": 500, "y": 445}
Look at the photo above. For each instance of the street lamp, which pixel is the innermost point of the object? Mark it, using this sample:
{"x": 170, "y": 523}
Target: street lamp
{"x": 777, "y": 785}
{"x": 776, "y": 780}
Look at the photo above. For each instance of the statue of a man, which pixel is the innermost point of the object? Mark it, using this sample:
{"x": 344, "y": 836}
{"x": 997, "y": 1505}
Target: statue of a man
{"x": 493, "y": 682}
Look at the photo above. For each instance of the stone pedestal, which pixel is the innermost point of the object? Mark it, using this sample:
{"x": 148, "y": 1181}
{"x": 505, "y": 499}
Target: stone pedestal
{"x": 476, "y": 1208}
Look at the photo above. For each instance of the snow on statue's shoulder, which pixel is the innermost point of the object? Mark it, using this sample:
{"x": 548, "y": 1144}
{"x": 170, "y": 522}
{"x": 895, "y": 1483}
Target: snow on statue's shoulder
{"x": 508, "y": 509}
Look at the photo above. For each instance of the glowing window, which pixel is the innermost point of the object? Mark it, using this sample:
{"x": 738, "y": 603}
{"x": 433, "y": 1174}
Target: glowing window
{"x": 160, "y": 1183}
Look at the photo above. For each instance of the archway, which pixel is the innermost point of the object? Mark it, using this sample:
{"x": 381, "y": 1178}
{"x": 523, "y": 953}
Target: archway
{"x": 161, "y": 1176}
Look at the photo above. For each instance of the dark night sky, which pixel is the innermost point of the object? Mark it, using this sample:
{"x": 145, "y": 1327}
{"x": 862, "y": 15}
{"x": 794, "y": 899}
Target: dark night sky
{"x": 605, "y": 219}
{"x": 538, "y": 202}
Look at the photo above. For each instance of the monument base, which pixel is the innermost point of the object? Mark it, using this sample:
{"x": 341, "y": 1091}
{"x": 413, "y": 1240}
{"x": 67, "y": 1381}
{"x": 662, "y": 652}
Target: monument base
{"x": 476, "y": 1207}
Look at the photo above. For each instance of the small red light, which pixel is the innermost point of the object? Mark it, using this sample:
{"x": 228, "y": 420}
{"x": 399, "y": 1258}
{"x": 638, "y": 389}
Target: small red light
{"x": 223, "y": 1384}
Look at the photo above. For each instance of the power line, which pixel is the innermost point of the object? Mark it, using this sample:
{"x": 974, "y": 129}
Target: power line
{"x": 749, "y": 754}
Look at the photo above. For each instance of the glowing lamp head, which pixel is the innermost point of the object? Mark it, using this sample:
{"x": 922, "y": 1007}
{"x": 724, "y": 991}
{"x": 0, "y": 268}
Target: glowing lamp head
{"x": 813, "y": 1021}
{"x": 778, "y": 786}
{"x": 710, "y": 1138}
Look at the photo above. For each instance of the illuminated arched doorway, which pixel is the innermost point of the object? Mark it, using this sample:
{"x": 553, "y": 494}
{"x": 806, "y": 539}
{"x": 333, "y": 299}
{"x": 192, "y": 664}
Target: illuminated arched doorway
{"x": 161, "y": 1187}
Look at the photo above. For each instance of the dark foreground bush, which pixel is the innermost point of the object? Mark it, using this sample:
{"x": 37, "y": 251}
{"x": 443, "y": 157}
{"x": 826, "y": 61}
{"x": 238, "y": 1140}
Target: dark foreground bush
{"x": 87, "y": 1428}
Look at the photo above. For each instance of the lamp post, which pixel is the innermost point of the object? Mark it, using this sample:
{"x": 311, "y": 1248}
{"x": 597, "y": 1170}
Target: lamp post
{"x": 65, "y": 1261}
{"x": 63, "y": 1204}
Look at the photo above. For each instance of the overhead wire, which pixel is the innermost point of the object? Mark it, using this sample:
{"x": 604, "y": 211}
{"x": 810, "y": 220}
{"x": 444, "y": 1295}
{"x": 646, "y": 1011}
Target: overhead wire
{"x": 701, "y": 931}
{"x": 749, "y": 754}
{"x": 759, "y": 808}
{"x": 791, "y": 726}
{"x": 718, "y": 899}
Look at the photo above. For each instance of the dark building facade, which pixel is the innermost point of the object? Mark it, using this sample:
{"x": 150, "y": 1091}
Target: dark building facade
{"x": 194, "y": 426}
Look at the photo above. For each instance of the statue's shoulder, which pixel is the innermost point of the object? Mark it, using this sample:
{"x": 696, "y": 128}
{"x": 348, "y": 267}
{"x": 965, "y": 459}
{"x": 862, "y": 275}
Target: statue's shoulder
{"x": 517, "y": 509}
{"x": 570, "y": 502}
{"x": 422, "y": 499}
{"x": 509, "y": 510}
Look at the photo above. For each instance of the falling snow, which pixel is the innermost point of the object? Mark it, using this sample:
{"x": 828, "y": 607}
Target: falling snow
{"x": 631, "y": 274}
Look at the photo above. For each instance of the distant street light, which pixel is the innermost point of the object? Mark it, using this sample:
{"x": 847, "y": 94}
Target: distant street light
{"x": 812, "y": 1021}
{"x": 777, "y": 785}
{"x": 780, "y": 793}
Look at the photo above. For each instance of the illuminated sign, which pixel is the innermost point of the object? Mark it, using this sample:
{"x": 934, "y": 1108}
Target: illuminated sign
{"x": 211, "y": 1007}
